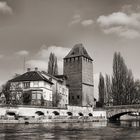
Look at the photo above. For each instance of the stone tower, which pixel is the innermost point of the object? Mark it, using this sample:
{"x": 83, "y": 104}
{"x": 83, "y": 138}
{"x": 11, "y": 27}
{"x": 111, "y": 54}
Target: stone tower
{"x": 78, "y": 68}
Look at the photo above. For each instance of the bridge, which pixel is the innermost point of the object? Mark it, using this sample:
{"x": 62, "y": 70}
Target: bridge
{"x": 115, "y": 112}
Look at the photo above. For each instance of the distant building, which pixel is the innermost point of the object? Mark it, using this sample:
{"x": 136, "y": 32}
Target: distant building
{"x": 78, "y": 68}
{"x": 60, "y": 92}
{"x": 35, "y": 84}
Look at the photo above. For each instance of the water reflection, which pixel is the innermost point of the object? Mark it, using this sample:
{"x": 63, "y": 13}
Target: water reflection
{"x": 72, "y": 131}
{"x": 126, "y": 123}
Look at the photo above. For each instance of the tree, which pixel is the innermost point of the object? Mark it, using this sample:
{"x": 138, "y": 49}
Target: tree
{"x": 27, "y": 97}
{"x": 52, "y": 65}
{"x": 6, "y": 92}
{"x": 101, "y": 88}
{"x": 136, "y": 93}
{"x": 129, "y": 88}
{"x": 16, "y": 93}
{"x": 108, "y": 91}
{"x": 122, "y": 82}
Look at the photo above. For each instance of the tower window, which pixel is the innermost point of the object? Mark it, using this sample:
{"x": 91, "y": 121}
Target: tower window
{"x": 78, "y": 97}
{"x": 78, "y": 58}
{"x": 72, "y": 97}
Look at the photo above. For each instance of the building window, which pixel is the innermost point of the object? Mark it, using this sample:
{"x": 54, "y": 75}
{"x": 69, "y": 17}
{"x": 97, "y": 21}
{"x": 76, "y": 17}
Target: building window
{"x": 72, "y": 97}
{"x": 26, "y": 84}
{"x": 72, "y": 53}
{"x": 38, "y": 96}
{"x": 34, "y": 96}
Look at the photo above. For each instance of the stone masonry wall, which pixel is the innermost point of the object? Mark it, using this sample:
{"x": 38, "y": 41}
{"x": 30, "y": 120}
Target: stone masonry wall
{"x": 87, "y": 82}
{"x": 31, "y": 111}
{"x": 73, "y": 71}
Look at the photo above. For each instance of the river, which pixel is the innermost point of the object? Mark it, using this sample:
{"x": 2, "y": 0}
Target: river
{"x": 123, "y": 130}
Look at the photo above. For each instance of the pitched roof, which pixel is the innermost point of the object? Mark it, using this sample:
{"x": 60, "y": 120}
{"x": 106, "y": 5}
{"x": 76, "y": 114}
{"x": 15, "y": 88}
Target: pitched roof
{"x": 78, "y": 50}
{"x": 31, "y": 76}
{"x": 56, "y": 77}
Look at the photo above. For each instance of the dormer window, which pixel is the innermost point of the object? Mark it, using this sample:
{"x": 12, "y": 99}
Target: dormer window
{"x": 50, "y": 79}
{"x": 72, "y": 53}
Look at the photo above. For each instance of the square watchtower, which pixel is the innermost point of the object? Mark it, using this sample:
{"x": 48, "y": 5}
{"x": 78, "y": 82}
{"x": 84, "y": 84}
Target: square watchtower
{"x": 78, "y": 67}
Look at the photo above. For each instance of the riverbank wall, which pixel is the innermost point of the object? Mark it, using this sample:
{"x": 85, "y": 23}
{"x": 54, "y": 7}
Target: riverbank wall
{"x": 35, "y": 112}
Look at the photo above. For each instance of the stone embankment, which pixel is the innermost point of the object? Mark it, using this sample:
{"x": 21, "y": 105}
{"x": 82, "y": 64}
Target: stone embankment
{"x": 34, "y": 114}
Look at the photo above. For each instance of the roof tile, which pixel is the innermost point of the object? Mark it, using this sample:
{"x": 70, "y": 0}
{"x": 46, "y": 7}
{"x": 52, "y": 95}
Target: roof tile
{"x": 31, "y": 76}
{"x": 78, "y": 50}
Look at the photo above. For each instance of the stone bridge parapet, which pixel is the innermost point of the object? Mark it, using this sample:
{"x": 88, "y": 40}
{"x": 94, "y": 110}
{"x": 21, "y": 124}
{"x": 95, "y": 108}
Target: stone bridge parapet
{"x": 114, "y": 112}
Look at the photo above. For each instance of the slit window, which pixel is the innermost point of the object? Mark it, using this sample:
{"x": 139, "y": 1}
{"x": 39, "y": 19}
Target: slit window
{"x": 78, "y": 97}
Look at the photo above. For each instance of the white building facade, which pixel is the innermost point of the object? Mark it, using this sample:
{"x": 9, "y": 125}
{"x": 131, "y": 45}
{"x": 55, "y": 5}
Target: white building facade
{"x": 34, "y": 86}
{"x": 60, "y": 90}
{"x": 39, "y": 88}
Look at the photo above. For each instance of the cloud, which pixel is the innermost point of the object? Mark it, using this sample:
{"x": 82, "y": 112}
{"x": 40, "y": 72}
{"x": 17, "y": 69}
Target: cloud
{"x": 125, "y": 23}
{"x": 77, "y": 19}
{"x": 42, "y": 57}
{"x": 130, "y": 33}
{"x": 123, "y": 32}
{"x": 4, "y": 8}
{"x": 22, "y": 53}
{"x": 87, "y": 22}
{"x": 60, "y": 52}
{"x": 120, "y": 18}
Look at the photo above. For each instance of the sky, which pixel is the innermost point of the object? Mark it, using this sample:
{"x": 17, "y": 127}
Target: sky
{"x": 31, "y": 29}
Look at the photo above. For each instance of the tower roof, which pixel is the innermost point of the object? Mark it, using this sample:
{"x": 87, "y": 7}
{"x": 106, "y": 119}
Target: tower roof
{"x": 78, "y": 50}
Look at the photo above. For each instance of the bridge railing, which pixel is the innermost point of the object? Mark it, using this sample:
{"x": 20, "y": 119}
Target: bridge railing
{"x": 122, "y": 106}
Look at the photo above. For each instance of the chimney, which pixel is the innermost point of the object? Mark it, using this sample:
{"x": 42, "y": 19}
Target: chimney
{"x": 36, "y": 68}
{"x": 28, "y": 69}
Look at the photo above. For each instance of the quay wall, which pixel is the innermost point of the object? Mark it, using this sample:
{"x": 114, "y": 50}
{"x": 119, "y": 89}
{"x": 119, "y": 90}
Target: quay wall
{"x": 31, "y": 111}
